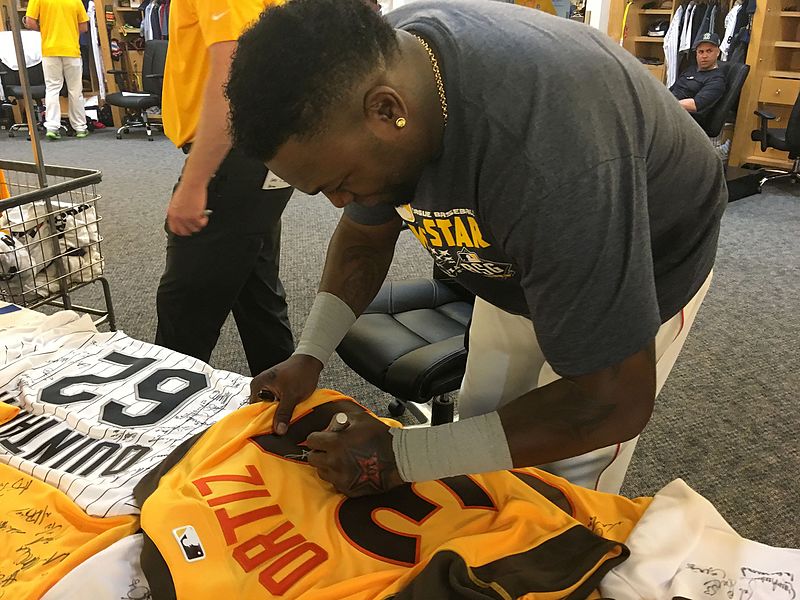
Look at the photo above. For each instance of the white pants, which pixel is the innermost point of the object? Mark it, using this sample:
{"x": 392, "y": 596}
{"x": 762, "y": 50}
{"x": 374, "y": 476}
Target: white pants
{"x": 505, "y": 362}
{"x": 56, "y": 70}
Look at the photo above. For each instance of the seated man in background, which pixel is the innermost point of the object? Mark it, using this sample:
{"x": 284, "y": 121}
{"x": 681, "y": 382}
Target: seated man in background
{"x": 702, "y": 85}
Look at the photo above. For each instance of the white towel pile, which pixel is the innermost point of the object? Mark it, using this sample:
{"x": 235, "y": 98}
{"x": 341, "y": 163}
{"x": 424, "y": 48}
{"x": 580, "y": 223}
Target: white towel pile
{"x": 28, "y": 269}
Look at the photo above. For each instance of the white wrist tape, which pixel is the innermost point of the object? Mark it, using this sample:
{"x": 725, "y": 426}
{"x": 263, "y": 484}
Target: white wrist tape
{"x": 475, "y": 445}
{"x": 328, "y": 321}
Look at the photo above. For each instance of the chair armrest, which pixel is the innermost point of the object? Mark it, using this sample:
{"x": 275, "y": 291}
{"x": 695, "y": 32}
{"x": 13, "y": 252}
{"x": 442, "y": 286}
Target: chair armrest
{"x": 765, "y": 118}
{"x": 116, "y": 72}
{"x": 764, "y": 115}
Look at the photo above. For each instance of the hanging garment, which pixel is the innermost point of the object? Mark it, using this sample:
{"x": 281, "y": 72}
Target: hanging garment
{"x": 147, "y": 30}
{"x": 730, "y": 24}
{"x": 712, "y": 22}
{"x": 31, "y": 48}
{"x": 155, "y": 24}
{"x": 625, "y": 14}
{"x": 98, "y": 56}
{"x": 671, "y": 42}
{"x": 701, "y": 27}
{"x": 162, "y": 19}
{"x": 741, "y": 36}
{"x": 165, "y": 29}
{"x": 686, "y": 34}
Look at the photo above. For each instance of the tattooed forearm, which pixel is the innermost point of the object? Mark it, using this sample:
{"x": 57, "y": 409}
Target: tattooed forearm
{"x": 573, "y": 411}
{"x": 569, "y": 417}
{"x": 357, "y": 262}
{"x": 363, "y": 273}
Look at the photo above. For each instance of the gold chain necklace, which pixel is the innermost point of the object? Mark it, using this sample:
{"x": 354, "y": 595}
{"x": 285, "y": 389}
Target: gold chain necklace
{"x": 437, "y": 74}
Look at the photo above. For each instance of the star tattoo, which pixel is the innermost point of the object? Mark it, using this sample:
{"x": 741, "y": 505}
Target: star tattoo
{"x": 370, "y": 470}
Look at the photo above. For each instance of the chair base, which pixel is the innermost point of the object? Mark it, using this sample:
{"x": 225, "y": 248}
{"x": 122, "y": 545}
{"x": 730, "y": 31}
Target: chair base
{"x": 12, "y": 131}
{"x": 37, "y": 117}
{"x": 774, "y": 175}
{"x": 38, "y": 114}
{"x": 440, "y": 411}
{"x": 137, "y": 122}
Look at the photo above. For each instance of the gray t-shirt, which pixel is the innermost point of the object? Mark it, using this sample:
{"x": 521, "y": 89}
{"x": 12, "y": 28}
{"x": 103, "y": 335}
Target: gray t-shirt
{"x": 572, "y": 188}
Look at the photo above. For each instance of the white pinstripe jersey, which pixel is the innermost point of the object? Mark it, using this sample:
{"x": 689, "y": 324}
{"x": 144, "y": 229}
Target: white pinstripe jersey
{"x": 98, "y": 410}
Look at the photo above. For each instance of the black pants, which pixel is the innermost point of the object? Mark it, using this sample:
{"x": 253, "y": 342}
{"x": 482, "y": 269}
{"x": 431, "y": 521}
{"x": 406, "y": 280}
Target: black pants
{"x": 231, "y": 265}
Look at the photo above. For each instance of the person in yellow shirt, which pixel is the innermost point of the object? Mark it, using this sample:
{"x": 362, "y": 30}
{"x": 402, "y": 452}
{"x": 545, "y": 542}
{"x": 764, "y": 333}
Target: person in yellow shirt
{"x": 224, "y": 218}
{"x": 61, "y": 22}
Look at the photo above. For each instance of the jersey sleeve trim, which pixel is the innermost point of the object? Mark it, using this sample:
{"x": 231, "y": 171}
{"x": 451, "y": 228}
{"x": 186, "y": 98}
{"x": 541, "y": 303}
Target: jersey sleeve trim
{"x": 148, "y": 484}
{"x": 153, "y": 564}
{"x": 156, "y": 571}
{"x": 570, "y": 565}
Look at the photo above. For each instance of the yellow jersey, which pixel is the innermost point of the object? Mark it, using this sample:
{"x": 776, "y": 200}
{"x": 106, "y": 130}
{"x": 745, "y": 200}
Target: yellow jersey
{"x": 44, "y": 535}
{"x": 58, "y": 22}
{"x": 238, "y": 511}
{"x": 195, "y": 26}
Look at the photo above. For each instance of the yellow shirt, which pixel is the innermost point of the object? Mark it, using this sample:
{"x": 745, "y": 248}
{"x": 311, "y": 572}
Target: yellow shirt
{"x": 58, "y": 22}
{"x": 195, "y": 26}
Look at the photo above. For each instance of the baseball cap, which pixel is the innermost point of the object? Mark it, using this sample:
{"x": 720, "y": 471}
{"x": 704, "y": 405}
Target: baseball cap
{"x": 658, "y": 29}
{"x": 707, "y": 38}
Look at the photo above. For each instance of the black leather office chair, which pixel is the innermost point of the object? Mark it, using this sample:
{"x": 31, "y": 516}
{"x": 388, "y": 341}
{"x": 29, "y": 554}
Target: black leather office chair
{"x": 137, "y": 103}
{"x": 12, "y": 87}
{"x": 409, "y": 343}
{"x": 787, "y": 140}
{"x": 724, "y": 110}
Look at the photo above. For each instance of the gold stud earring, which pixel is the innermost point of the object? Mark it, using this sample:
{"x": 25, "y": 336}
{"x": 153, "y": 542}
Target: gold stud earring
{"x": 400, "y": 123}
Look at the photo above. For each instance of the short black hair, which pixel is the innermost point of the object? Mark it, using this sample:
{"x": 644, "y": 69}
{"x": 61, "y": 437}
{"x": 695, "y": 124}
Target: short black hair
{"x": 294, "y": 64}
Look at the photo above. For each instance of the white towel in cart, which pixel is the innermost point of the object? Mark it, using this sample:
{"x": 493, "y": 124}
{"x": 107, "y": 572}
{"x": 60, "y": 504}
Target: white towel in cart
{"x": 76, "y": 221}
{"x": 27, "y": 267}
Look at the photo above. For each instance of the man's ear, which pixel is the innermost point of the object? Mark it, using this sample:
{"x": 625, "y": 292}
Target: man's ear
{"x": 385, "y": 111}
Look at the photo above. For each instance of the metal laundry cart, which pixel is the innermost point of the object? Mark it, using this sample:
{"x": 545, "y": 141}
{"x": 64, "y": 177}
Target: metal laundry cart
{"x": 50, "y": 242}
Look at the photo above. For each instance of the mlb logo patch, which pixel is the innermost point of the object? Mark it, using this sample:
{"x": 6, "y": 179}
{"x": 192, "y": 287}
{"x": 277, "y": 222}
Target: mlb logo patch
{"x": 189, "y": 543}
